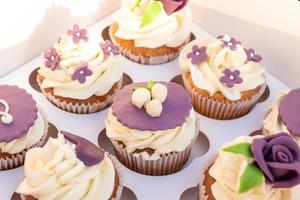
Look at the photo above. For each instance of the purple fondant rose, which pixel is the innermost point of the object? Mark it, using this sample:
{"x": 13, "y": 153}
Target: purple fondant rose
{"x": 278, "y": 156}
{"x": 171, "y": 6}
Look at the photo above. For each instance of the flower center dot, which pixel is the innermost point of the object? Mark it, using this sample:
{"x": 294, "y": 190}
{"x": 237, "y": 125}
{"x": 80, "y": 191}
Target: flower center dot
{"x": 77, "y": 34}
{"x": 229, "y": 44}
{"x": 197, "y": 53}
{"x": 81, "y": 72}
{"x": 231, "y": 77}
{"x": 52, "y": 58}
{"x": 251, "y": 54}
{"x": 109, "y": 48}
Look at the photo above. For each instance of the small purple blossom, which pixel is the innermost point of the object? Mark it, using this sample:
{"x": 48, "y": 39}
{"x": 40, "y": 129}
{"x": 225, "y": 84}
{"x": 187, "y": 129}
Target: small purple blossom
{"x": 252, "y": 56}
{"x": 232, "y": 43}
{"x": 52, "y": 59}
{"x": 78, "y": 34}
{"x": 231, "y": 78}
{"x": 81, "y": 73}
{"x": 108, "y": 48}
{"x": 198, "y": 54}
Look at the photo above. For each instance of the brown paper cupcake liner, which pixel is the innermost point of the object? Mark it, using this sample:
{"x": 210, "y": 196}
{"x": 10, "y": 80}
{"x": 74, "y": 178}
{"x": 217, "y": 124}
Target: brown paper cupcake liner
{"x": 118, "y": 168}
{"x": 79, "y": 108}
{"x": 205, "y": 167}
{"x": 154, "y": 60}
{"x": 17, "y": 160}
{"x": 166, "y": 164}
{"x": 221, "y": 110}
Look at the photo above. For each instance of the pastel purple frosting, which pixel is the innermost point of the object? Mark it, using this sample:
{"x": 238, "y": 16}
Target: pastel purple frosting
{"x": 278, "y": 156}
{"x": 289, "y": 111}
{"x": 176, "y": 108}
{"x": 23, "y": 109}
{"x": 86, "y": 151}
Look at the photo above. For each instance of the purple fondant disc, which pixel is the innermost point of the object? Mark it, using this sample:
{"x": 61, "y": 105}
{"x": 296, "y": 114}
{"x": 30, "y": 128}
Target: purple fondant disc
{"x": 23, "y": 109}
{"x": 176, "y": 108}
{"x": 289, "y": 111}
{"x": 86, "y": 151}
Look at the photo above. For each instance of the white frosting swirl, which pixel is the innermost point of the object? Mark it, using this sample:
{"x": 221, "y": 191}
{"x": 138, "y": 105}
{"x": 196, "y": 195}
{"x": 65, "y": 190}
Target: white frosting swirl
{"x": 27, "y": 140}
{"x": 206, "y": 75}
{"x": 272, "y": 123}
{"x": 55, "y": 173}
{"x": 106, "y": 70}
{"x": 162, "y": 142}
{"x": 227, "y": 171}
{"x": 171, "y": 31}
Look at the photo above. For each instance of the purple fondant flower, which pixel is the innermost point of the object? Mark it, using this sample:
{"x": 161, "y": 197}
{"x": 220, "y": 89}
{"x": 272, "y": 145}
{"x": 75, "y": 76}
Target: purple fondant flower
{"x": 231, "y": 78}
{"x": 278, "y": 156}
{"x": 232, "y": 43}
{"x": 78, "y": 34}
{"x": 81, "y": 73}
{"x": 198, "y": 54}
{"x": 171, "y": 6}
{"x": 52, "y": 59}
{"x": 108, "y": 48}
{"x": 252, "y": 56}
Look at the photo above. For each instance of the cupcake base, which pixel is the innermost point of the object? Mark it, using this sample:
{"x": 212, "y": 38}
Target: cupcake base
{"x": 219, "y": 107}
{"x": 142, "y": 55}
{"x": 86, "y": 106}
{"x": 11, "y": 161}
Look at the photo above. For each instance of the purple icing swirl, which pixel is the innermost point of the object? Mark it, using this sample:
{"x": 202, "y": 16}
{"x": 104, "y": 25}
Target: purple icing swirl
{"x": 86, "y": 151}
{"x": 176, "y": 108}
{"x": 23, "y": 109}
{"x": 278, "y": 156}
{"x": 289, "y": 111}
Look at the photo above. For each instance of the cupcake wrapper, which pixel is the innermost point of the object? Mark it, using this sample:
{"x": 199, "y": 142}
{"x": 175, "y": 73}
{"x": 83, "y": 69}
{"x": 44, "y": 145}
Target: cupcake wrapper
{"x": 202, "y": 187}
{"x": 118, "y": 168}
{"x": 166, "y": 164}
{"x": 220, "y": 110}
{"x": 79, "y": 108}
{"x": 17, "y": 160}
{"x": 155, "y": 60}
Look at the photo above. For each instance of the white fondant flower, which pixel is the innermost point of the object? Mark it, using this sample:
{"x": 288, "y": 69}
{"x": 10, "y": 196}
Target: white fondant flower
{"x": 160, "y": 92}
{"x": 154, "y": 108}
{"x": 140, "y": 97}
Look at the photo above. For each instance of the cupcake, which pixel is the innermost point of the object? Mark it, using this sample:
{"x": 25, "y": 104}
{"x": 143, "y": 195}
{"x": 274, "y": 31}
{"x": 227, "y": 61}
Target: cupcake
{"x": 224, "y": 79}
{"x": 22, "y": 126}
{"x": 70, "y": 167}
{"x": 254, "y": 168}
{"x": 284, "y": 115}
{"x": 80, "y": 73}
{"x": 152, "y": 127}
{"x": 151, "y": 32}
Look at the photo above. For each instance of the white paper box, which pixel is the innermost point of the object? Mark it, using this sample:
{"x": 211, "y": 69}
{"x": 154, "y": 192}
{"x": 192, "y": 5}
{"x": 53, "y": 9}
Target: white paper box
{"x": 145, "y": 187}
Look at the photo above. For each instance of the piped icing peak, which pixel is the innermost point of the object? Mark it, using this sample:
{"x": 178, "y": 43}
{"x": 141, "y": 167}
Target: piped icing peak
{"x": 222, "y": 65}
{"x": 289, "y": 111}
{"x": 151, "y": 98}
{"x": 86, "y": 151}
{"x": 176, "y": 108}
{"x": 16, "y": 116}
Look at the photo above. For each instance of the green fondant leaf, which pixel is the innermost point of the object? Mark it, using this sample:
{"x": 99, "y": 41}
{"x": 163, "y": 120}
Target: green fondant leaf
{"x": 150, "y": 85}
{"x": 135, "y": 5}
{"x": 151, "y": 13}
{"x": 251, "y": 177}
{"x": 241, "y": 148}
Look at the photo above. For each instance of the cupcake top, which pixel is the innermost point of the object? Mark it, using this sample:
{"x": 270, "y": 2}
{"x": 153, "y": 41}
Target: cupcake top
{"x": 284, "y": 115}
{"x": 257, "y": 168}
{"x": 222, "y": 65}
{"x": 152, "y": 106}
{"x": 69, "y": 167}
{"x": 153, "y": 24}
{"x": 80, "y": 65}
{"x": 16, "y": 116}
